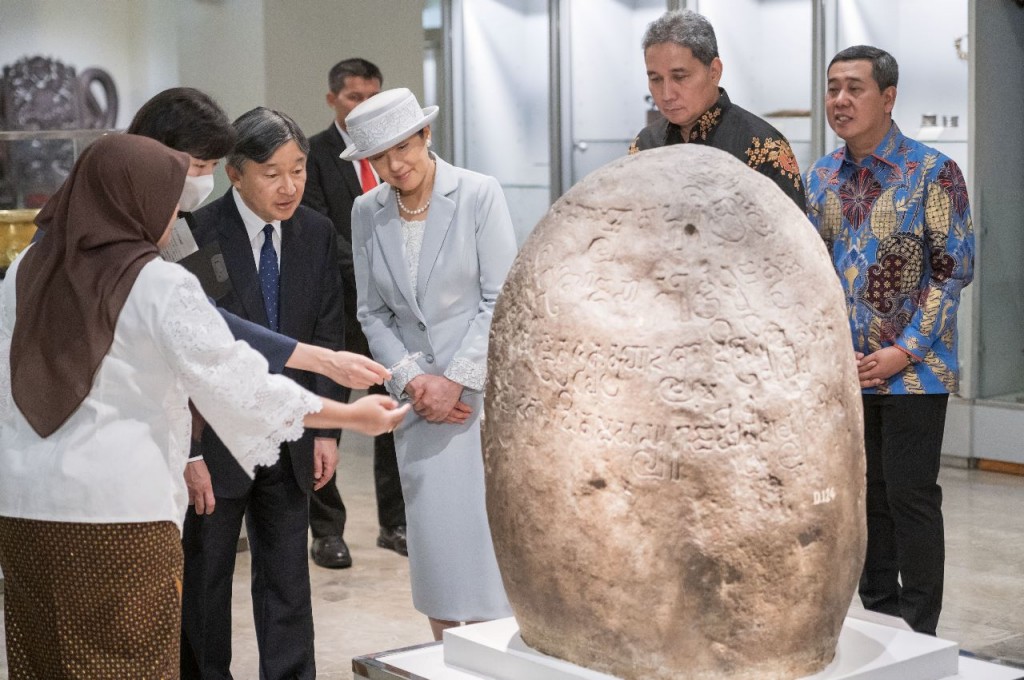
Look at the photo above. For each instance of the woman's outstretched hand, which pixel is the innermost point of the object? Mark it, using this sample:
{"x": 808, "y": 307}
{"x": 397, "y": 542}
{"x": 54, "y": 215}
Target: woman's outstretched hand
{"x": 354, "y": 370}
{"x": 345, "y": 368}
{"x": 375, "y": 414}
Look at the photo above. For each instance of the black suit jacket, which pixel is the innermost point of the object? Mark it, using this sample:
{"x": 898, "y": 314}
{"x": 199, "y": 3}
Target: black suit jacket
{"x": 311, "y": 312}
{"x": 332, "y": 186}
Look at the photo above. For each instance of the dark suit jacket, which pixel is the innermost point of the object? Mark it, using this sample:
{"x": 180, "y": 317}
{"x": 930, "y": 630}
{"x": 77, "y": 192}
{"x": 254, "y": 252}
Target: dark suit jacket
{"x": 331, "y": 188}
{"x": 311, "y": 312}
{"x": 274, "y": 347}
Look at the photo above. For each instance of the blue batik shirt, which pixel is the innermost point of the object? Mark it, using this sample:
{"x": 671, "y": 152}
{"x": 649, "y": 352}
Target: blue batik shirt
{"x": 898, "y": 227}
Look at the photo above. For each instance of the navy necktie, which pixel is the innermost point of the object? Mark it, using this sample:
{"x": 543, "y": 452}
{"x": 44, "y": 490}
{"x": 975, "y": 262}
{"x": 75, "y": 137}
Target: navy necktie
{"x": 270, "y": 277}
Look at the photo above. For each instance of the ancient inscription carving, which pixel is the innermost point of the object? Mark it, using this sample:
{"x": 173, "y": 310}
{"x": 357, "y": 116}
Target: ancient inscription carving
{"x": 672, "y": 437}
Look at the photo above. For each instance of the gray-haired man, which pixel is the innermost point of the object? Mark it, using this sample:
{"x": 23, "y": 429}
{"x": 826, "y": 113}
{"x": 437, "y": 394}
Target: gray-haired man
{"x": 683, "y": 71}
{"x": 282, "y": 261}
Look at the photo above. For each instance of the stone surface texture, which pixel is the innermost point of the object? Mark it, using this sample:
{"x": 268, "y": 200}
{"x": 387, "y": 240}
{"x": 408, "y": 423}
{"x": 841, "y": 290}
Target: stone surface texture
{"x": 673, "y": 437}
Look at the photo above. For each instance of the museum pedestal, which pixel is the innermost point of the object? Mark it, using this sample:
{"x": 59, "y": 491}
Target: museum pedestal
{"x": 867, "y": 650}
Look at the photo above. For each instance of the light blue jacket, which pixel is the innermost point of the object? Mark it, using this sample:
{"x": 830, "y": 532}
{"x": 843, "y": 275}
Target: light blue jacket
{"x": 468, "y": 246}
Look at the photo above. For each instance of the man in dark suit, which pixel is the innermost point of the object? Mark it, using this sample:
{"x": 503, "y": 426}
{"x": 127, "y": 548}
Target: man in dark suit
{"x": 331, "y": 188}
{"x": 281, "y": 259}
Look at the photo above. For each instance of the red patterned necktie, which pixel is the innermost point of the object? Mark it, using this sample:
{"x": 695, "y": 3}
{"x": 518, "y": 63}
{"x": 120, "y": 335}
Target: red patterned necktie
{"x": 366, "y": 177}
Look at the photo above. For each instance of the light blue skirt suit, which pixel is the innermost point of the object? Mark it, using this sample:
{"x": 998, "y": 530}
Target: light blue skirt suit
{"x": 468, "y": 246}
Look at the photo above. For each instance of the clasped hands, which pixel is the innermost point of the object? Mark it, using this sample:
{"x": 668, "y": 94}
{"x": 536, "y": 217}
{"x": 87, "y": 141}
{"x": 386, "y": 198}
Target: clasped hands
{"x": 875, "y": 368}
{"x": 437, "y": 399}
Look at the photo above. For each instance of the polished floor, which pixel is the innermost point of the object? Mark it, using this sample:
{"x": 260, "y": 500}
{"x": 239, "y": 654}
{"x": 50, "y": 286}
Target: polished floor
{"x": 368, "y": 609}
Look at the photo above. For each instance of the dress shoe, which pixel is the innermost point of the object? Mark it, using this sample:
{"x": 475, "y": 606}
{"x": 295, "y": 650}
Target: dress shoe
{"x": 331, "y": 552}
{"x": 393, "y": 538}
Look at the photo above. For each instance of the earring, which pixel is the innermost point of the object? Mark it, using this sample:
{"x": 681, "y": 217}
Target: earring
{"x": 429, "y": 142}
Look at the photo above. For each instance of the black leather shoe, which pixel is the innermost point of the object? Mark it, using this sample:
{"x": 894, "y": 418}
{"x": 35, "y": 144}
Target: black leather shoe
{"x": 331, "y": 552}
{"x": 393, "y": 538}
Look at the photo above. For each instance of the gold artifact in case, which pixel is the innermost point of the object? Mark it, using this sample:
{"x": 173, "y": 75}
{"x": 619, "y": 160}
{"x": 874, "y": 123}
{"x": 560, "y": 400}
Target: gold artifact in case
{"x": 33, "y": 165}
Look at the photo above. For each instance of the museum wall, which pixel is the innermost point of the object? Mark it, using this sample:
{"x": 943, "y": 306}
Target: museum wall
{"x": 504, "y": 76}
{"x": 304, "y": 38}
{"x": 608, "y": 81}
{"x": 219, "y": 51}
{"x": 766, "y": 48}
{"x": 933, "y": 79}
{"x": 496, "y": 37}
{"x": 243, "y": 52}
{"x": 609, "y": 44}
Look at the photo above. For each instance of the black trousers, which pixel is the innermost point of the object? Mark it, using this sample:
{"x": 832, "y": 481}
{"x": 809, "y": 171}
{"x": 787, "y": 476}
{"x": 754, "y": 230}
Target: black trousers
{"x": 276, "y": 517}
{"x": 327, "y": 513}
{"x": 903, "y": 571}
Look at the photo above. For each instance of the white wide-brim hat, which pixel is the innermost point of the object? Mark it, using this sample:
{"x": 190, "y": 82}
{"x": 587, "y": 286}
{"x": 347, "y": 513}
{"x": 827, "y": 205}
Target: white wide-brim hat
{"x": 384, "y": 120}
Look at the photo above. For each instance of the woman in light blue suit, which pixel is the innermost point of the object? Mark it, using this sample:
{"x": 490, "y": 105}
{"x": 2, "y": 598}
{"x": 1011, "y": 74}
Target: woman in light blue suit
{"x": 432, "y": 245}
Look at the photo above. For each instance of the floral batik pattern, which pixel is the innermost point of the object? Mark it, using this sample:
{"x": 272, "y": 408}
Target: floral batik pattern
{"x": 738, "y": 132}
{"x": 898, "y": 227}
{"x": 775, "y": 154}
{"x": 705, "y": 124}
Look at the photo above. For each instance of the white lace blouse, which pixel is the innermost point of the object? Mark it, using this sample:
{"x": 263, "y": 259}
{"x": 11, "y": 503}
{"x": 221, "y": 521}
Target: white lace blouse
{"x": 412, "y": 243}
{"x": 121, "y": 454}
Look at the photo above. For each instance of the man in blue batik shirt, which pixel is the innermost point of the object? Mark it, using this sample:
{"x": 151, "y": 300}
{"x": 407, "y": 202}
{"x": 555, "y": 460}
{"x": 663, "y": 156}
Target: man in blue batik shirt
{"x": 895, "y": 216}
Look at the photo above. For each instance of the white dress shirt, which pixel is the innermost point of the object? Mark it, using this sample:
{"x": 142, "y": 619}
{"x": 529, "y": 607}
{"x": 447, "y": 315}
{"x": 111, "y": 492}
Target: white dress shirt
{"x": 121, "y": 454}
{"x": 254, "y": 225}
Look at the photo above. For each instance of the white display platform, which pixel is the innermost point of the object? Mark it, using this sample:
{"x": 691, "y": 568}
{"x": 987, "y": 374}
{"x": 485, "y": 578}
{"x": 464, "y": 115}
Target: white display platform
{"x": 429, "y": 662}
{"x": 866, "y": 651}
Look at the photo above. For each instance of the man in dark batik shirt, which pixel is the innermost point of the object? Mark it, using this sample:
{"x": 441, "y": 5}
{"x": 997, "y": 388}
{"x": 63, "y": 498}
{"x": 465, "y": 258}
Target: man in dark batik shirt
{"x": 683, "y": 70}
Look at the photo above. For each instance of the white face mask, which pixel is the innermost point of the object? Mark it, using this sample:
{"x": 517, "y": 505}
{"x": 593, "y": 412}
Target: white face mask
{"x": 195, "y": 192}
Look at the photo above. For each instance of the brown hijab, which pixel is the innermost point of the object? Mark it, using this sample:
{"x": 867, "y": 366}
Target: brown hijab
{"x": 101, "y": 227}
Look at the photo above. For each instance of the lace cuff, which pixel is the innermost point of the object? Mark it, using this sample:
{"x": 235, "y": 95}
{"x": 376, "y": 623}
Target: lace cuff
{"x": 256, "y": 449}
{"x": 251, "y": 411}
{"x": 401, "y": 378}
{"x": 467, "y": 373}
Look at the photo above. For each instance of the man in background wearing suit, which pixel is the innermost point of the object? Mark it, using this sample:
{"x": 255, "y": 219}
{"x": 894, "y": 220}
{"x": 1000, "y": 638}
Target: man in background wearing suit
{"x": 331, "y": 188}
{"x": 281, "y": 259}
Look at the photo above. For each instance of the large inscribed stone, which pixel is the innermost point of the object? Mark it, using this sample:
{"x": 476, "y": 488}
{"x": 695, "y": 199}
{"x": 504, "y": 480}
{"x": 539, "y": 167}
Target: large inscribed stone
{"x": 673, "y": 439}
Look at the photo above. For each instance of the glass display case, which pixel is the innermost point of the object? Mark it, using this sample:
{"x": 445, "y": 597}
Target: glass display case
{"x": 544, "y": 91}
{"x": 501, "y": 90}
{"x": 33, "y": 165}
{"x": 766, "y": 49}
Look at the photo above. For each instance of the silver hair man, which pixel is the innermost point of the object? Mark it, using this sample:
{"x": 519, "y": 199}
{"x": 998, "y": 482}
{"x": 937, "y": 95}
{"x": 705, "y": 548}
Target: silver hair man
{"x": 687, "y": 29}
{"x": 683, "y": 76}
{"x": 261, "y": 132}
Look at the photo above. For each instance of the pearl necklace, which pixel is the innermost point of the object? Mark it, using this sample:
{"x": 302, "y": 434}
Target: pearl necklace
{"x": 417, "y": 211}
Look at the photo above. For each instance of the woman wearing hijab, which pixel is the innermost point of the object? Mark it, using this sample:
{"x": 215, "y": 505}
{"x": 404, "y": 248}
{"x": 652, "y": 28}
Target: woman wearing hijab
{"x": 432, "y": 246}
{"x": 101, "y": 346}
